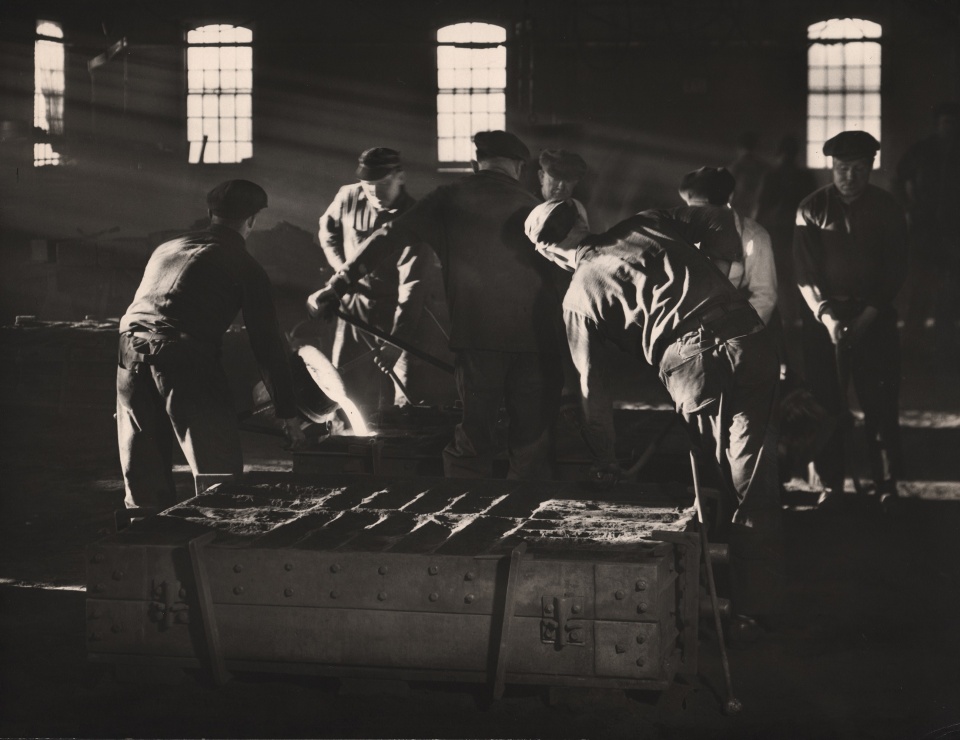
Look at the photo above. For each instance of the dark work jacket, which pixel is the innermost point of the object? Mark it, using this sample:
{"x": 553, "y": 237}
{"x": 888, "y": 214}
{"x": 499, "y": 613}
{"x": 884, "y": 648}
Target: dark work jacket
{"x": 644, "y": 277}
{"x": 196, "y": 284}
{"x": 498, "y": 289}
{"x": 851, "y": 251}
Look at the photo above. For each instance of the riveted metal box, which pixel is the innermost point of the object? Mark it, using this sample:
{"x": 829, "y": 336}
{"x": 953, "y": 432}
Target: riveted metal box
{"x": 410, "y": 578}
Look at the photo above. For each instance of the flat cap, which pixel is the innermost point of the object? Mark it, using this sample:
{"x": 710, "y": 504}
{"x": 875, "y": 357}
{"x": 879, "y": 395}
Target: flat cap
{"x": 711, "y": 184}
{"x": 500, "y": 144}
{"x": 236, "y": 199}
{"x": 377, "y": 163}
{"x": 851, "y": 145}
{"x": 562, "y": 164}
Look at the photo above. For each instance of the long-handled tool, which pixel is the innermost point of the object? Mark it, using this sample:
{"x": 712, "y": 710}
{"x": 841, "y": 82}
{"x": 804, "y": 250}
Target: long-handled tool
{"x": 848, "y": 426}
{"x": 395, "y": 341}
{"x": 732, "y": 705}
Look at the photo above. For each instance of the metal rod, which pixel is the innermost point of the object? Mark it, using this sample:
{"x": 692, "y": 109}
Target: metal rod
{"x": 732, "y": 705}
{"x": 396, "y": 342}
{"x": 509, "y": 603}
{"x": 211, "y": 631}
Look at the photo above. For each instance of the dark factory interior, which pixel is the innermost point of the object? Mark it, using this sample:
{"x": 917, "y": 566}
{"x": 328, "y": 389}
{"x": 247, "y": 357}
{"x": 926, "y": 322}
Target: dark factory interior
{"x": 360, "y": 578}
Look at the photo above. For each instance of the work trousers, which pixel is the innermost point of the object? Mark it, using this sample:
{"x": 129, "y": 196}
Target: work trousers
{"x": 166, "y": 390}
{"x": 874, "y": 363}
{"x": 529, "y": 384}
{"x": 353, "y": 356}
{"x": 726, "y": 389}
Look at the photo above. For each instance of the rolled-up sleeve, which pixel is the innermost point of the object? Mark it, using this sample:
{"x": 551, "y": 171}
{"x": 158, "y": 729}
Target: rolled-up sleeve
{"x": 807, "y": 250}
{"x": 586, "y": 345}
{"x": 759, "y": 271}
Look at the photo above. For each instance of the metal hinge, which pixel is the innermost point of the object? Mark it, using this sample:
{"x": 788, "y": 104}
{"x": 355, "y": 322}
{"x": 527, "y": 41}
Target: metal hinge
{"x": 169, "y": 608}
{"x": 562, "y": 622}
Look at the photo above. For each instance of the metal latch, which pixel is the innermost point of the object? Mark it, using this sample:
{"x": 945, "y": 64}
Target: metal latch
{"x": 170, "y": 607}
{"x": 562, "y": 622}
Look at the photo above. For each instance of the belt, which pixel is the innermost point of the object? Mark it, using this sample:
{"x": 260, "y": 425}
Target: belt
{"x": 724, "y": 321}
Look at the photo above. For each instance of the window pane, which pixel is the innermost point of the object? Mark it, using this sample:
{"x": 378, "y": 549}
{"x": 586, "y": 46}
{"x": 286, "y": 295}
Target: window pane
{"x": 194, "y": 132}
{"x": 816, "y": 105}
{"x": 817, "y": 78}
{"x": 871, "y": 105}
{"x": 498, "y": 102}
{"x": 444, "y": 125}
{"x": 211, "y": 154}
{"x": 871, "y": 78}
{"x": 444, "y": 103}
{"x": 835, "y": 78}
{"x": 228, "y": 57}
{"x": 228, "y": 80}
{"x": 480, "y": 78}
{"x": 855, "y": 105}
{"x": 834, "y": 55}
{"x": 228, "y": 152}
{"x": 498, "y": 77}
{"x": 834, "y": 105}
{"x": 228, "y": 106}
{"x": 461, "y": 103}
{"x": 211, "y": 129}
{"x": 228, "y": 129}
{"x": 244, "y": 80}
{"x": 854, "y": 78}
{"x": 244, "y": 105}
{"x": 445, "y": 79}
{"x": 444, "y": 57}
{"x": 211, "y": 80}
{"x": 245, "y": 57}
{"x": 816, "y": 129}
{"x": 817, "y": 56}
{"x": 244, "y": 129}
{"x": 244, "y": 150}
{"x": 445, "y": 150}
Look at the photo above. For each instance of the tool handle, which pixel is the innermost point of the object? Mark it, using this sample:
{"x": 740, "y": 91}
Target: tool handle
{"x": 396, "y": 342}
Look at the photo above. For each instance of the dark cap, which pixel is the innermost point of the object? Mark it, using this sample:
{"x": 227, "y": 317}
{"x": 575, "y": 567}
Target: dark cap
{"x": 851, "y": 145}
{"x": 562, "y": 164}
{"x": 377, "y": 163}
{"x": 500, "y": 144}
{"x": 711, "y": 184}
{"x": 236, "y": 199}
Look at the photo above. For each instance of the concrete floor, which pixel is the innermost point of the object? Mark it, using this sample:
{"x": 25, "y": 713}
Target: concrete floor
{"x": 869, "y": 648}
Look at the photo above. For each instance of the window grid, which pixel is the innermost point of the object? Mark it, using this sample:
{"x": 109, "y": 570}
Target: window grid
{"x": 220, "y": 94}
{"x": 843, "y": 82}
{"x": 49, "y": 85}
{"x": 471, "y": 86}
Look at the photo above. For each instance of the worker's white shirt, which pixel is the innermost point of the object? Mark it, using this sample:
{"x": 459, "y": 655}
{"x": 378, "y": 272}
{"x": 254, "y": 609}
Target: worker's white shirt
{"x": 756, "y": 276}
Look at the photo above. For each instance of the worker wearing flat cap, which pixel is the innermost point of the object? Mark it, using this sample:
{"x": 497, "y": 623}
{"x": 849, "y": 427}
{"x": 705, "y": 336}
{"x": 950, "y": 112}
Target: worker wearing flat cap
{"x": 560, "y": 173}
{"x": 170, "y": 384}
{"x": 645, "y": 288}
{"x": 752, "y": 270}
{"x": 505, "y": 315}
{"x": 391, "y": 298}
{"x": 850, "y": 254}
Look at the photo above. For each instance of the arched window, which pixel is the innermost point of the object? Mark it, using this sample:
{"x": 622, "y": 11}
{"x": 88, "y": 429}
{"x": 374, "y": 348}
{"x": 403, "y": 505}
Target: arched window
{"x": 471, "y": 87}
{"x": 220, "y": 94}
{"x": 843, "y": 64}
{"x": 48, "y": 89}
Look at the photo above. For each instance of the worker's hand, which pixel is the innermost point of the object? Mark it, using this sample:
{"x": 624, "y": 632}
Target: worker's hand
{"x": 859, "y": 324}
{"x": 294, "y": 434}
{"x": 386, "y": 357}
{"x": 835, "y": 328}
{"x": 323, "y": 303}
